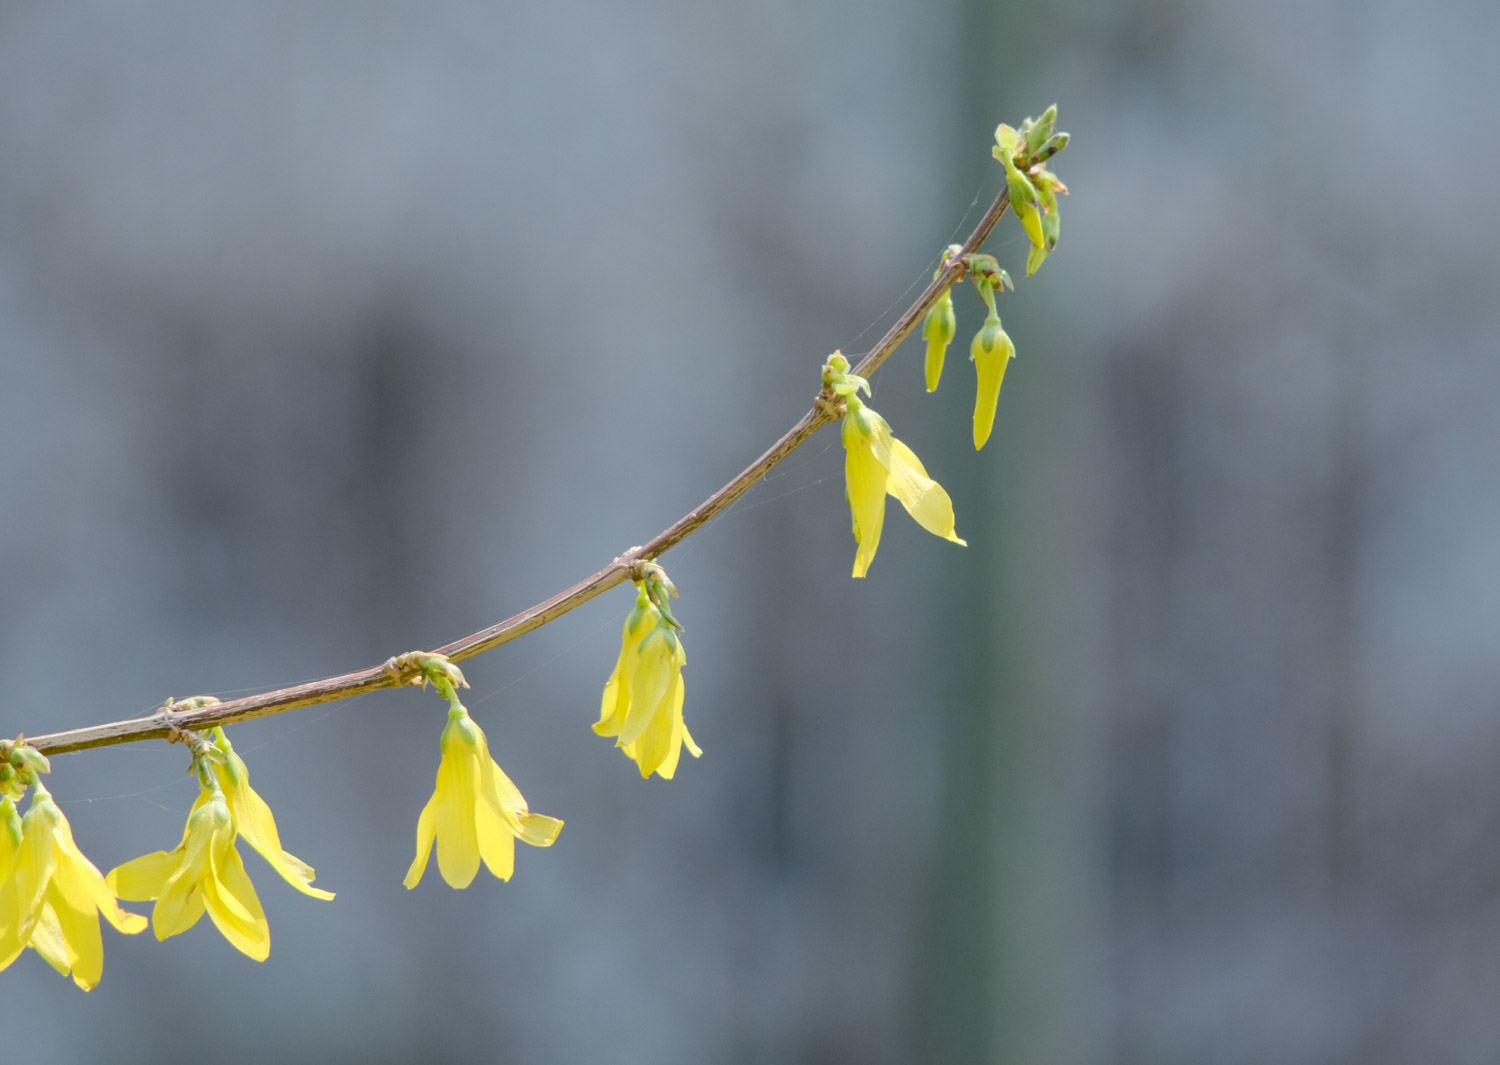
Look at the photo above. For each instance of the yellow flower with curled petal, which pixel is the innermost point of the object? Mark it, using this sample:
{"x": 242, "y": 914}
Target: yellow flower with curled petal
{"x": 642, "y": 703}
{"x": 51, "y": 896}
{"x": 475, "y": 813}
{"x": 203, "y": 873}
{"x": 253, "y": 819}
{"x": 876, "y": 463}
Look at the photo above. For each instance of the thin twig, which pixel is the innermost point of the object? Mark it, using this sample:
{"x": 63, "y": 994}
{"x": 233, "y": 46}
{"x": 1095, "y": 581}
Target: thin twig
{"x": 376, "y": 677}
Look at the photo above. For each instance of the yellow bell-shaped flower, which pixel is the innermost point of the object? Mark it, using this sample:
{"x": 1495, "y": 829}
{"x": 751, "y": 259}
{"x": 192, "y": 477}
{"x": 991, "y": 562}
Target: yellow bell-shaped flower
{"x": 51, "y": 896}
{"x": 203, "y": 873}
{"x": 475, "y": 812}
{"x": 876, "y": 463}
{"x": 642, "y": 703}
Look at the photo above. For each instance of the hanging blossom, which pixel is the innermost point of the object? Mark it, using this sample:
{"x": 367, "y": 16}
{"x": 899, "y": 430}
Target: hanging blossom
{"x": 475, "y": 813}
{"x": 202, "y": 874}
{"x": 877, "y": 464}
{"x": 51, "y": 896}
{"x": 642, "y": 703}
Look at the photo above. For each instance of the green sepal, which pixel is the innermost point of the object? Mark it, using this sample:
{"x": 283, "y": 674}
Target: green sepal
{"x": 460, "y": 722}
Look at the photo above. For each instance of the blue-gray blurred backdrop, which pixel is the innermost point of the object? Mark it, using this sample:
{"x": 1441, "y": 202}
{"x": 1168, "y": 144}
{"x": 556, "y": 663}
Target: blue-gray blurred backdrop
{"x": 332, "y": 331}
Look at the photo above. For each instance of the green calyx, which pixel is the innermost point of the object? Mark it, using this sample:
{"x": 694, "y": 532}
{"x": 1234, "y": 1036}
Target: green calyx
{"x": 839, "y": 380}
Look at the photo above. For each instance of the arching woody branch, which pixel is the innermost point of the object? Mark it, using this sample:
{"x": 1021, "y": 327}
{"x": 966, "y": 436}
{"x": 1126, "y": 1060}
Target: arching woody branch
{"x": 406, "y": 668}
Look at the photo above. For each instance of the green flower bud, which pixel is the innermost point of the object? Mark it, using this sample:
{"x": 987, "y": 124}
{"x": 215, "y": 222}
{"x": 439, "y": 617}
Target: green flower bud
{"x": 938, "y": 330}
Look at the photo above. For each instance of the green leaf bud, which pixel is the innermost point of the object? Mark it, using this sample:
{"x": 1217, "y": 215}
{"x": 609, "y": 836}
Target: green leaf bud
{"x": 1038, "y": 131}
{"x": 1054, "y": 144}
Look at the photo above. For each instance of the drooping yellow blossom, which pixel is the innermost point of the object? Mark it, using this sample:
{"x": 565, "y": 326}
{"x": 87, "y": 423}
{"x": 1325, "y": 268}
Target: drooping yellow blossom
{"x": 253, "y": 819}
{"x": 938, "y": 329}
{"x": 642, "y": 703}
{"x": 51, "y": 896}
{"x": 992, "y": 349}
{"x": 475, "y": 812}
{"x": 876, "y": 463}
{"x": 203, "y": 873}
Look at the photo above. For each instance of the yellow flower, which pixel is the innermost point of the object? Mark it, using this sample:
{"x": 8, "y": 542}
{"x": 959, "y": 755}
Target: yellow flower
{"x": 642, "y": 702}
{"x": 51, "y": 895}
{"x": 876, "y": 463}
{"x": 204, "y": 872}
{"x": 475, "y": 811}
{"x": 254, "y": 822}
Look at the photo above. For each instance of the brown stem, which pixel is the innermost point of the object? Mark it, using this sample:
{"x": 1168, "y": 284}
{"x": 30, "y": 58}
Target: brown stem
{"x": 368, "y": 680}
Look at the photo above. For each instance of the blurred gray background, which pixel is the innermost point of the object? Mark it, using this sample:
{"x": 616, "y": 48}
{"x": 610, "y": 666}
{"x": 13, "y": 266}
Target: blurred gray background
{"x": 332, "y": 331}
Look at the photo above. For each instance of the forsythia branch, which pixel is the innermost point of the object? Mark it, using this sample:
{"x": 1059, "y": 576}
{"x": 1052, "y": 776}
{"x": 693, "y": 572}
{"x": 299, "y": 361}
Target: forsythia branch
{"x": 405, "y": 669}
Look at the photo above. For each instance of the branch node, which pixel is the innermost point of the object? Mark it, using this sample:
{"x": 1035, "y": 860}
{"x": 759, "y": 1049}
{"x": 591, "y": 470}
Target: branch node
{"x": 418, "y": 667}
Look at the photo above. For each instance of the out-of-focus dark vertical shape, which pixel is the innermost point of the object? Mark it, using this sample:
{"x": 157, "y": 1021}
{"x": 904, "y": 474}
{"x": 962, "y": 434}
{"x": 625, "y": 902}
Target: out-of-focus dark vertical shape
{"x": 1010, "y": 897}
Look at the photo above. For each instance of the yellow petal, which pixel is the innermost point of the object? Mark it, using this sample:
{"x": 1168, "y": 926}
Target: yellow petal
{"x": 865, "y": 483}
{"x": 10, "y": 840}
{"x": 85, "y": 887}
{"x": 498, "y": 791}
{"x": 457, "y": 794}
{"x": 257, "y": 827}
{"x": 497, "y": 845}
{"x": 182, "y": 914}
{"x": 232, "y": 903}
{"x": 614, "y": 701}
{"x": 180, "y": 901}
{"x": 652, "y": 674}
{"x": 80, "y": 931}
{"x": 34, "y": 865}
{"x": 666, "y": 767}
{"x": 142, "y": 879}
{"x": 47, "y": 939}
{"x": 426, "y": 829}
{"x": 923, "y": 498}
